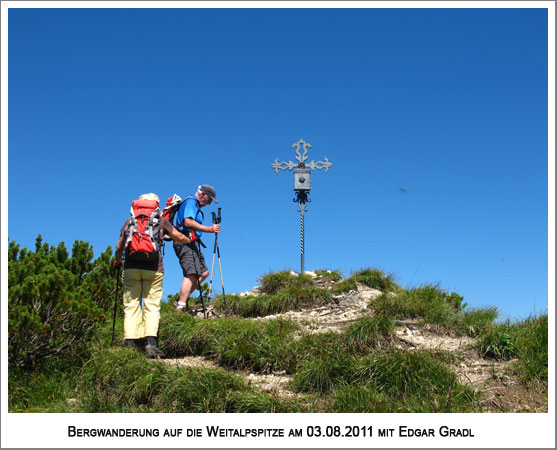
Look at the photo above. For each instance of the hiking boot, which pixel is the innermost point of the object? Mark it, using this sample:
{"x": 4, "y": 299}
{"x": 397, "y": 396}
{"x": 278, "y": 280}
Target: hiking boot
{"x": 130, "y": 343}
{"x": 152, "y": 351}
{"x": 181, "y": 308}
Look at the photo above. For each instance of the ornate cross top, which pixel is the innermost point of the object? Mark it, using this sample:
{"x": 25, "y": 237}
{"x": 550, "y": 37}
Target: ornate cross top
{"x": 301, "y": 158}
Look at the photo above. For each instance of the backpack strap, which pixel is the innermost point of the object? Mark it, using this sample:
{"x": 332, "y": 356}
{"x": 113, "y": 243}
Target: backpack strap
{"x": 153, "y": 226}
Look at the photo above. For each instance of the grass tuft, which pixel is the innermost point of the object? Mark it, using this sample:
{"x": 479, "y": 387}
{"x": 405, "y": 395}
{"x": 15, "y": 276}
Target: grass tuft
{"x": 532, "y": 349}
{"x": 369, "y": 332}
{"x": 330, "y": 275}
{"x": 374, "y": 278}
{"x": 272, "y": 283}
{"x": 498, "y": 342}
{"x": 526, "y": 340}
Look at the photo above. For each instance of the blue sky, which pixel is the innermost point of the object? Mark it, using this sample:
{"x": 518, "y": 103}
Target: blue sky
{"x": 435, "y": 120}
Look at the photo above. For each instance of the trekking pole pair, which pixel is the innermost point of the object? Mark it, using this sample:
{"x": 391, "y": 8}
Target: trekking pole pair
{"x": 216, "y": 249}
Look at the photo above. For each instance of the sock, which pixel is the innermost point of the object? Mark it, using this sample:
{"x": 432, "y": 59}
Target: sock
{"x": 151, "y": 340}
{"x": 182, "y": 305}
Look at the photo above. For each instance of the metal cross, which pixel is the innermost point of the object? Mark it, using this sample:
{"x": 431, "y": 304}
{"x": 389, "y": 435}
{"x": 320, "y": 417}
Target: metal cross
{"x": 302, "y": 183}
{"x": 301, "y": 158}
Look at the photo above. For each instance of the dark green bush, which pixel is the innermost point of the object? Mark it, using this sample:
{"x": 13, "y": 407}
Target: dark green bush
{"x": 54, "y": 300}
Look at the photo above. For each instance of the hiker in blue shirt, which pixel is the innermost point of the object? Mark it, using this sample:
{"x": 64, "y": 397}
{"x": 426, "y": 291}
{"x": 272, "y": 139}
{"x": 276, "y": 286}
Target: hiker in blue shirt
{"x": 189, "y": 219}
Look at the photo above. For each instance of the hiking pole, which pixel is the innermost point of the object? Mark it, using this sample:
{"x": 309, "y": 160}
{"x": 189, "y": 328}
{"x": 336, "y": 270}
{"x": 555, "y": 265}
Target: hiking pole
{"x": 214, "y": 252}
{"x": 220, "y": 265}
{"x": 115, "y": 304}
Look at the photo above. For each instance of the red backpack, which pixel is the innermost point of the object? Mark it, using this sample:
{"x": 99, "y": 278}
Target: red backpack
{"x": 169, "y": 211}
{"x": 144, "y": 231}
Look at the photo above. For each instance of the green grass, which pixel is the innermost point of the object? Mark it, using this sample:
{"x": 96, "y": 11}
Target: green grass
{"x": 417, "y": 379}
{"x": 122, "y": 380}
{"x": 390, "y": 380}
{"x": 476, "y": 321}
{"x": 369, "y": 332}
{"x": 232, "y": 342}
{"x": 374, "y": 278}
{"x": 345, "y": 286}
{"x": 293, "y": 297}
{"x": 426, "y": 302}
{"x": 532, "y": 349}
{"x": 525, "y": 340}
{"x": 329, "y": 275}
{"x": 348, "y": 398}
{"x": 41, "y": 391}
{"x": 498, "y": 342}
{"x": 272, "y": 283}
{"x": 284, "y": 291}
{"x": 433, "y": 305}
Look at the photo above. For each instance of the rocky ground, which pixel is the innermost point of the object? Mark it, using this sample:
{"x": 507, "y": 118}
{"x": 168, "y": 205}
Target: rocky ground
{"x": 502, "y": 390}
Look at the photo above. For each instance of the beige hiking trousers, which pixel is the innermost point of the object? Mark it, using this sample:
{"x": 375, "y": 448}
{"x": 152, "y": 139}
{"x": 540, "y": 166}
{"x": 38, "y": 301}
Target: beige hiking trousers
{"x": 147, "y": 285}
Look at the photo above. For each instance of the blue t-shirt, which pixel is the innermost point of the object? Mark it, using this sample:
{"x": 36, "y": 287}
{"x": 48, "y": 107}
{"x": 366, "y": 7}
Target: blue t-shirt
{"x": 189, "y": 209}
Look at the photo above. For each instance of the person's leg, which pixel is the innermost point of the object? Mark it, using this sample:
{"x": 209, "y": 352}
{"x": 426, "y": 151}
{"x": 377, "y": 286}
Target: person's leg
{"x": 187, "y": 287}
{"x": 152, "y": 293}
{"x": 185, "y": 256}
{"x": 133, "y": 316}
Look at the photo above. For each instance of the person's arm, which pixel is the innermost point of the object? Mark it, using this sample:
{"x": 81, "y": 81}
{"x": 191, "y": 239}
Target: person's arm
{"x": 190, "y": 223}
{"x": 176, "y": 236}
{"x": 168, "y": 229}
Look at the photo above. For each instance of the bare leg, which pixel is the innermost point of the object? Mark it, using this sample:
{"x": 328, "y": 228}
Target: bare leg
{"x": 187, "y": 287}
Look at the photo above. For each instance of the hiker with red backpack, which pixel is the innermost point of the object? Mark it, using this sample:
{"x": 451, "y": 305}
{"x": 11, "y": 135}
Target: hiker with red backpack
{"x": 189, "y": 220}
{"x": 141, "y": 238}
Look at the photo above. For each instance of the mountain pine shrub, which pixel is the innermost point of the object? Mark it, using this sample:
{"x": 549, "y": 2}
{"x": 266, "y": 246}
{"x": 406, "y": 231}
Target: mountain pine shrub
{"x": 55, "y": 300}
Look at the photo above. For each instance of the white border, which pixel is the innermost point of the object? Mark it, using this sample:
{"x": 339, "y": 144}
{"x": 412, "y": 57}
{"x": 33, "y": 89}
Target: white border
{"x": 490, "y": 430}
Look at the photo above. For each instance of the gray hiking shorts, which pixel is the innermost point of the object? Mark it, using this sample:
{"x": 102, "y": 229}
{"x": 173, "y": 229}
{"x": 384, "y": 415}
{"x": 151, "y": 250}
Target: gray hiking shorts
{"x": 191, "y": 258}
